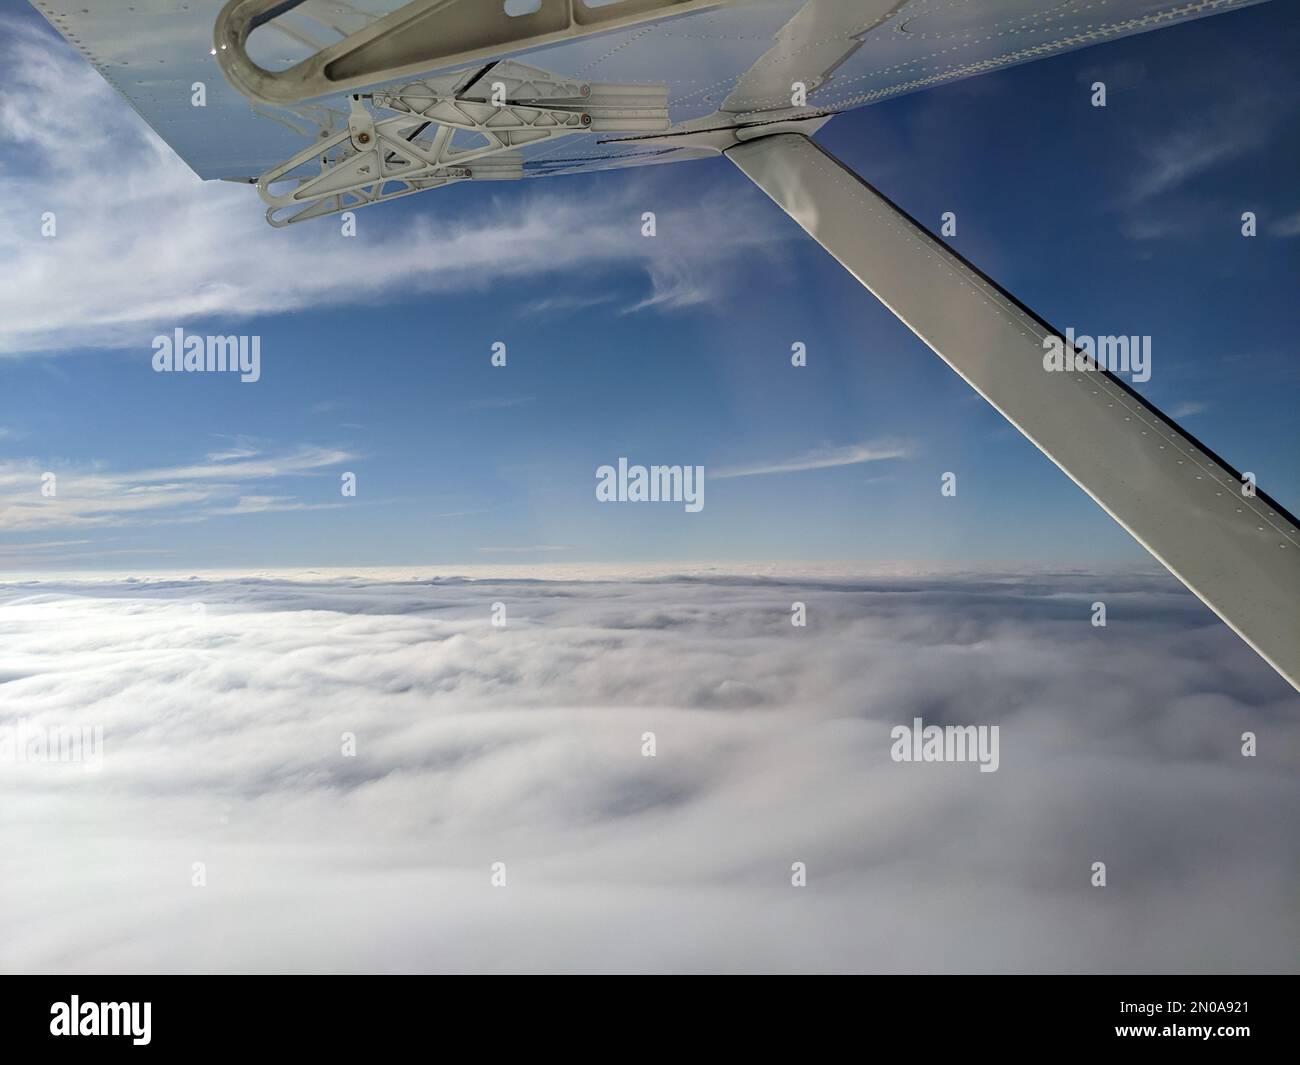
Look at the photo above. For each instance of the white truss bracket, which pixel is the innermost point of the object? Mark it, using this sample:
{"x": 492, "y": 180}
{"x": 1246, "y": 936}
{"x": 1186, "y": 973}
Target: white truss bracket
{"x": 508, "y": 105}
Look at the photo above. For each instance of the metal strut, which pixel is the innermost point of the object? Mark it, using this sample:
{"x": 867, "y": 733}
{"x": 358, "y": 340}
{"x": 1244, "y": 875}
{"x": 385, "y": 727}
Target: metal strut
{"x": 1236, "y": 548}
{"x": 508, "y": 105}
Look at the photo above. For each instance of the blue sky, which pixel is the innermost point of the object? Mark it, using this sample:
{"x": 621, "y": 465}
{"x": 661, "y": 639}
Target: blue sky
{"x": 1119, "y": 220}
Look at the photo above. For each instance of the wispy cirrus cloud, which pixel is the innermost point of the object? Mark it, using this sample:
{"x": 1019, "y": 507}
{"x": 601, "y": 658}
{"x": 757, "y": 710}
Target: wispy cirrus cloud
{"x": 82, "y": 496}
{"x": 1199, "y": 143}
{"x": 1189, "y": 408}
{"x": 818, "y": 459}
{"x": 1175, "y": 149}
{"x": 1288, "y": 226}
{"x": 269, "y": 504}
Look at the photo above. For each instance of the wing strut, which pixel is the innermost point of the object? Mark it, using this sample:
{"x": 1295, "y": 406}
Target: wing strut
{"x": 1232, "y": 545}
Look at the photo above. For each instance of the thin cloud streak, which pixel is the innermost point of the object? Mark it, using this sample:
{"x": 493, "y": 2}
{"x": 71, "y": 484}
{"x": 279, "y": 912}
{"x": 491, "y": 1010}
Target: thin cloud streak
{"x": 819, "y": 459}
{"x": 533, "y": 549}
{"x": 94, "y": 496}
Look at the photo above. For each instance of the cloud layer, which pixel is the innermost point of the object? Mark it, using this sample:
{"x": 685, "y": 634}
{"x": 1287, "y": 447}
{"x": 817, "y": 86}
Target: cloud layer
{"x": 223, "y": 703}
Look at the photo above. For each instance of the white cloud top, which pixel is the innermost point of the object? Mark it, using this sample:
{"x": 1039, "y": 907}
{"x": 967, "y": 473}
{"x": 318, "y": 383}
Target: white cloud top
{"x": 223, "y": 703}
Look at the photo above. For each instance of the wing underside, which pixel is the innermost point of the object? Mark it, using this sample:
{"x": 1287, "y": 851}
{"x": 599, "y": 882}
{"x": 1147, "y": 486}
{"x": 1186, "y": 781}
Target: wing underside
{"x": 739, "y": 56}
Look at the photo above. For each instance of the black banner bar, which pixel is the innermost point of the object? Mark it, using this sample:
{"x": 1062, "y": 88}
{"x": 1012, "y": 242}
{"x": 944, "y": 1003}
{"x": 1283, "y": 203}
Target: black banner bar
{"x": 1218, "y": 1015}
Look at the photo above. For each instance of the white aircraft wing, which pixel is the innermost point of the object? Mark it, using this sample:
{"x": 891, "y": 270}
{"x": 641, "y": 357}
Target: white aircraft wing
{"x": 717, "y": 55}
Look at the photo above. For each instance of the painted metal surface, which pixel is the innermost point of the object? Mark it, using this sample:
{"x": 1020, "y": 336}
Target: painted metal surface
{"x": 153, "y": 51}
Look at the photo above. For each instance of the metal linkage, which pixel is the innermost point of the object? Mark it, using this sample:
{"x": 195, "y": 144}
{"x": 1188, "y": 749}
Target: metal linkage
{"x": 508, "y": 105}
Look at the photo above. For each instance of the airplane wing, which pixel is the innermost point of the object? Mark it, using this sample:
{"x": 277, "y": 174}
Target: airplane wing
{"x": 716, "y": 56}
